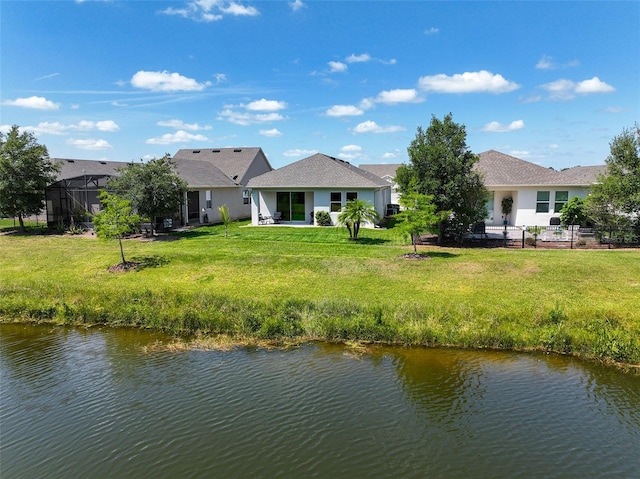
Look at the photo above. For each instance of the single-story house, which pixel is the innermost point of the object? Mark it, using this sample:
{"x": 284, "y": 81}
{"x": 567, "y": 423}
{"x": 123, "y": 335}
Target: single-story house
{"x": 76, "y": 190}
{"x": 218, "y": 176}
{"x": 538, "y": 193}
{"x": 317, "y": 183}
{"x": 386, "y": 171}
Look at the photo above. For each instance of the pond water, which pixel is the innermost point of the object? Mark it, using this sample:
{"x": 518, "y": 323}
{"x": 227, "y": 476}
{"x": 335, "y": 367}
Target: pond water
{"x": 92, "y": 403}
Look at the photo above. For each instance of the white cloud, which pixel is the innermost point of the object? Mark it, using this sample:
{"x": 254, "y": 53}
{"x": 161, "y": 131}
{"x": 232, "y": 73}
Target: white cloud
{"x": 389, "y": 155}
{"x": 166, "y": 81}
{"x": 245, "y": 119}
{"x": 238, "y": 10}
{"x": 547, "y": 63}
{"x": 370, "y": 126}
{"x": 179, "y": 136}
{"x": 594, "y": 85}
{"x": 409, "y": 95}
{"x": 296, "y": 5}
{"x": 564, "y": 89}
{"x": 107, "y": 125}
{"x": 431, "y": 31}
{"x": 297, "y": 152}
{"x": 337, "y": 67}
{"x": 35, "y": 102}
{"x": 5, "y": 128}
{"x": 56, "y": 128}
{"x": 274, "y": 132}
{"x": 344, "y": 110}
{"x": 468, "y": 82}
{"x": 266, "y": 105}
{"x": 180, "y": 125}
{"x": 363, "y": 57}
{"x": 614, "y": 109}
{"x": 496, "y": 127}
{"x": 210, "y": 10}
{"x": 351, "y": 148}
{"x": 90, "y": 144}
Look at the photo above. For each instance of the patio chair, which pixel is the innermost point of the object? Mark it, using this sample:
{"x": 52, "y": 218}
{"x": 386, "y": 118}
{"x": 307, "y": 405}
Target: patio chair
{"x": 263, "y": 220}
{"x": 277, "y": 216}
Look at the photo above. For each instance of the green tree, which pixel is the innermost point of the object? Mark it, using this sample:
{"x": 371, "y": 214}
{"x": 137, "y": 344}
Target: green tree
{"x": 573, "y": 212}
{"x": 153, "y": 188}
{"x": 417, "y": 216}
{"x": 442, "y": 166}
{"x": 615, "y": 199}
{"x": 25, "y": 172}
{"x": 226, "y": 218}
{"x": 116, "y": 219}
{"x": 354, "y": 213}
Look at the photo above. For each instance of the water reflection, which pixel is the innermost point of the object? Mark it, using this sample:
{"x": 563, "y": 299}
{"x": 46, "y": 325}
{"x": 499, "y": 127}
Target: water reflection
{"x": 90, "y": 403}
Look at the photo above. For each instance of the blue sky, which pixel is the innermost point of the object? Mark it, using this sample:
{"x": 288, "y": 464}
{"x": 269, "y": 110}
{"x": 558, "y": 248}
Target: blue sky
{"x": 549, "y": 82}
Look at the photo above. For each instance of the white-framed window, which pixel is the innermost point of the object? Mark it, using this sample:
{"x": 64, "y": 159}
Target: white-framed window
{"x": 246, "y": 197}
{"x": 562, "y": 197}
{"x": 542, "y": 202}
{"x": 207, "y": 195}
{"x": 336, "y": 201}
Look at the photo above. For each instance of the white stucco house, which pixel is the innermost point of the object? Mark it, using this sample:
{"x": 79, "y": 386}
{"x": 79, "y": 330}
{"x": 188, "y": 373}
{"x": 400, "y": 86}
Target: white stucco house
{"x": 538, "y": 193}
{"x": 317, "y": 183}
{"x": 218, "y": 176}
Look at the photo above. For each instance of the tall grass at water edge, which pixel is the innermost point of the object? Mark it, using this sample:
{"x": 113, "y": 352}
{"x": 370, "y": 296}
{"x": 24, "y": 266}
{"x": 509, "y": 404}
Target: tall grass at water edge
{"x": 281, "y": 283}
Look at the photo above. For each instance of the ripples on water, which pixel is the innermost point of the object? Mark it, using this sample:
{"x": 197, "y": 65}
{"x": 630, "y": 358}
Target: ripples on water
{"x": 90, "y": 404}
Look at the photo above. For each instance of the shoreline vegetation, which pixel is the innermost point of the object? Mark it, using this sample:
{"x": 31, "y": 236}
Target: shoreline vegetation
{"x": 284, "y": 286}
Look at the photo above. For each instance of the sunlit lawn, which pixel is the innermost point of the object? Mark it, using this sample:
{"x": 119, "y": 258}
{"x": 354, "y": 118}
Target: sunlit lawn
{"x": 267, "y": 264}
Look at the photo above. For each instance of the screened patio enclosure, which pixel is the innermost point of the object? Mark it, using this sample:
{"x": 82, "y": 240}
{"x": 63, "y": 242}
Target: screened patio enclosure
{"x": 74, "y": 200}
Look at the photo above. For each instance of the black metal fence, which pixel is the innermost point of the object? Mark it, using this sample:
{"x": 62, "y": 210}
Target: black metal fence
{"x": 556, "y": 236}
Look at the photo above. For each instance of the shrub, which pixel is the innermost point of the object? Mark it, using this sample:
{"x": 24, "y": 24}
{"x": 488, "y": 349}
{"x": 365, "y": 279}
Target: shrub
{"x": 323, "y": 218}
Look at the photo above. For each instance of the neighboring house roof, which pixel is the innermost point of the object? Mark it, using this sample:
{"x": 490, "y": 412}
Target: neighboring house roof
{"x": 202, "y": 174}
{"x": 499, "y": 169}
{"x": 77, "y": 168}
{"x": 583, "y": 175}
{"x": 386, "y": 171}
{"x": 232, "y": 162}
{"x": 318, "y": 171}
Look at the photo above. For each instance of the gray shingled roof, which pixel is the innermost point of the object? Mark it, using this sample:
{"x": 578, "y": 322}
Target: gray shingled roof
{"x": 583, "y": 175}
{"x": 500, "y": 169}
{"x": 232, "y": 162}
{"x": 77, "y": 168}
{"x": 318, "y": 171}
{"x": 202, "y": 174}
{"x": 386, "y": 169}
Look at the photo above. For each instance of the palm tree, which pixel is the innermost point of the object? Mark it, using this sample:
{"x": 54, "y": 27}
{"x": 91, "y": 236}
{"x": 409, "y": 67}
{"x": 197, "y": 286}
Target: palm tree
{"x": 355, "y": 212}
{"x": 225, "y": 217}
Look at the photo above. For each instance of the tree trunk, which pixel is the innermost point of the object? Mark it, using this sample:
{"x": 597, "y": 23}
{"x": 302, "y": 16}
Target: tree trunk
{"x": 21, "y": 221}
{"x": 121, "y": 250}
{"x": 415, "y": 243}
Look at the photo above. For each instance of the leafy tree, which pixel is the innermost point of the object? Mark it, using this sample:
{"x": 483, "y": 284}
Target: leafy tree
{"x": 573, "y": 212}
{"x": 116, "y": 219}
{"x": 226, "y": 218}
{"x": 25, "y": 172}
{"x": 354, "y": 213}
{"x": 153, "y": 188}
{"x": 442, "y": 166}
{"x": 417, "y": 216}
{"x": 615, "y": 199}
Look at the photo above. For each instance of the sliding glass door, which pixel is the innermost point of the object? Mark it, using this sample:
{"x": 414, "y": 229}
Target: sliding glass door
{"x": 291, "y": 205}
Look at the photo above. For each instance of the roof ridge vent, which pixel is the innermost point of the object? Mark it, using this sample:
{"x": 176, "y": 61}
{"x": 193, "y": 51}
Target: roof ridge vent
{"x": 237, "y": 150}
{"x": 215, "y": 151}
{"x": 71, "y": 161}
{"x": 196, "y": 151}
{"x": 103, "y": 162}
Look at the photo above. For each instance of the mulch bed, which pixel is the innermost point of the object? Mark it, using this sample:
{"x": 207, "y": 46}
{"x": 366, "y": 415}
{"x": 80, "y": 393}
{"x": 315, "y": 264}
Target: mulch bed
{"x": 123, "y": 267}
{"x": 418, "y": 256}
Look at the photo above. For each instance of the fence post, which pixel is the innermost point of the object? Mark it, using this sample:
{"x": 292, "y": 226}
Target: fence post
{"x": 523, "y": 231}
{"x": 571, "y": 236}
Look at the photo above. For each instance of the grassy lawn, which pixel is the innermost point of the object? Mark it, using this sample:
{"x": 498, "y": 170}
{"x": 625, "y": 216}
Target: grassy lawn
{"x": 313, "y": 283}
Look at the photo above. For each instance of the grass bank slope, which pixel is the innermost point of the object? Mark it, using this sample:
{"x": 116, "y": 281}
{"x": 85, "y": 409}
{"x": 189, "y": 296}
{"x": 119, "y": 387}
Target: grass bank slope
{"x": 286, "y": 283}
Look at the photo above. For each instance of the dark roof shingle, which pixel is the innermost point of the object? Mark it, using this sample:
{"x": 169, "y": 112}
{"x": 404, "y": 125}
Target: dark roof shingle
{"x": 318, "y": 171}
